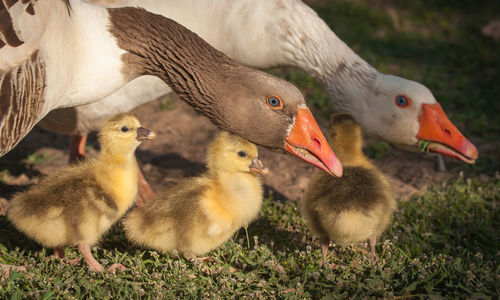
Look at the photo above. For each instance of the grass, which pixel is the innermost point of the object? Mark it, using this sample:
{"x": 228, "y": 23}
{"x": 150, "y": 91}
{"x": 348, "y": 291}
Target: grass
{"x": 377, "y": 150}
{"x": 444, "y": 243}
{"x": 37, "y": 158}
{"x": 167, "y": 104}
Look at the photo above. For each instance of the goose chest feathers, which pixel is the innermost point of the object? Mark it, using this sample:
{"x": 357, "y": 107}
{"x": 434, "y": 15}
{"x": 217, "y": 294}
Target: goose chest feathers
{"x": 269, "y": 33}
{"x": 57, "y": 54}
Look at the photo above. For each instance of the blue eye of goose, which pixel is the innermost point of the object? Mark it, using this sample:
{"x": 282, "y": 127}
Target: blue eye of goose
{"x": 242, "y": 153}
{"x": 124, "y": 129}
{"x": 402, "y": 101}
{"x": 274, "y": 102}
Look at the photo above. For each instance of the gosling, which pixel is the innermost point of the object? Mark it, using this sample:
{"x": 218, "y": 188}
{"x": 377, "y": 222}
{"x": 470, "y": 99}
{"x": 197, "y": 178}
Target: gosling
{"x": 354, "y": 208}
{"x": 77, "y": 205}
{"x": 199, "y": 214}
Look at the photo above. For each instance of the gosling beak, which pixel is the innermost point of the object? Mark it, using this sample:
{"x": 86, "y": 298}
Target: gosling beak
{"x": 258, "y": 167}
{"x": 307, "y": 142}
{"x": 443, "y": 136}
{"x": 145, "y": 134}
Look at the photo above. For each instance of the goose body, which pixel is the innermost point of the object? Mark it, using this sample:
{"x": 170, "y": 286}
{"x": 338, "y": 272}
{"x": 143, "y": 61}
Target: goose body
{"x": 55, "y": 62}
{"x": 64, "y": 53}
{"x": 199, "y": 214}
{"x": 269, "y": 33}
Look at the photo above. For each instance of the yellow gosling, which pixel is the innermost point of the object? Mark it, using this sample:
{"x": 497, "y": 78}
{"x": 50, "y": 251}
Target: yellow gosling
{"x": 199, "y": 214}
{"x": 354, "y": 208}
{"x": 77, "y": 205}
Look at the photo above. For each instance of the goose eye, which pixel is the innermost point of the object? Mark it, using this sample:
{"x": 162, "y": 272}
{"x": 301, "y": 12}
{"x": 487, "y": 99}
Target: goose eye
{"x": 402, "y": 101}
{"x": 274, "y": 102}
{"x": 124, "y": 129}
{"x": 242, "y": 153}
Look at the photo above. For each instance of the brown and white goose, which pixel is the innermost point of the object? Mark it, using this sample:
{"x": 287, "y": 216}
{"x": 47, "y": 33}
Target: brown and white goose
{"x": 63, "y": 53}
{"x": 269, "y": 33}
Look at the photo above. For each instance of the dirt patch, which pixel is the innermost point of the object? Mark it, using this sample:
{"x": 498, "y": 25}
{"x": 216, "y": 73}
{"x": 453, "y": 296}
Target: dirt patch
{"x": 179, "y": 151}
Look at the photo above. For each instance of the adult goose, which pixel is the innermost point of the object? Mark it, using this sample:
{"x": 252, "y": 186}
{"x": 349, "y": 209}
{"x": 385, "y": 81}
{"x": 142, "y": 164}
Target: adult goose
{"x": 268, "y": 33}
{"x": 62, "y": 53}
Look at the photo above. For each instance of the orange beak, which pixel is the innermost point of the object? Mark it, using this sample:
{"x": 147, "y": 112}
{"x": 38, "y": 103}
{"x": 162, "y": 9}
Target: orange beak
{"x": 445, "y": 138}
{"x": 307, "y": 142}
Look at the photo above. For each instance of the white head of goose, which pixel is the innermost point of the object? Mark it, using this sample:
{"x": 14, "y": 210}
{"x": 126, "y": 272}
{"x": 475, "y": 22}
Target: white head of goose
{"x": 86, "y": 52}
{"x": 288, "y": 32}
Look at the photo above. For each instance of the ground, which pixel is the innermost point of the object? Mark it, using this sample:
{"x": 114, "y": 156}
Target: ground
{"x": 442, "y": 243}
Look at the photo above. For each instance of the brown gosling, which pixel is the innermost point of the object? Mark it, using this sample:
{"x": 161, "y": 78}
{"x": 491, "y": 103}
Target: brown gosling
{"x": 77, "y": 205}
{"x": 199, "y": 214}
{"x": 354, "y": 208}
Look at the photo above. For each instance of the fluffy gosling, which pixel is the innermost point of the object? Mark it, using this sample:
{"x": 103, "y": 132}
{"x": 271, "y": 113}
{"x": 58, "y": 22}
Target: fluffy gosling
{"x": 353, "y": 208}
{"x": 199, "y": 214}
{"x": 77, "y": 205}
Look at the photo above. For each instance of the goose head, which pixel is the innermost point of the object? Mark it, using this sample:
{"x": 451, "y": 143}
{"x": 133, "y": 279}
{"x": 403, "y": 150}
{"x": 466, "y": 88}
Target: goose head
{"x": 406, "y": 113}
{"x": 271, "y": 112}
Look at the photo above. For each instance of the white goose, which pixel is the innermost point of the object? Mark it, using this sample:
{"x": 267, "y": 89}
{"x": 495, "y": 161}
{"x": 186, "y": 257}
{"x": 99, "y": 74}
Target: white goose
{"x": 268, "y": 33}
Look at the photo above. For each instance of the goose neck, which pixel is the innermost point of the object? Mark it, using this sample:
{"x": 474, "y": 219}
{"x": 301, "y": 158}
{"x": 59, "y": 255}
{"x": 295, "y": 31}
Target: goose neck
{"x": 161, "y": 47}
{"x": 316, "y": 49}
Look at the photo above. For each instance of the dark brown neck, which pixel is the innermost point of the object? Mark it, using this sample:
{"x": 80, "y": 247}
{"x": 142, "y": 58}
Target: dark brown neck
{"x": 161, "y": 47}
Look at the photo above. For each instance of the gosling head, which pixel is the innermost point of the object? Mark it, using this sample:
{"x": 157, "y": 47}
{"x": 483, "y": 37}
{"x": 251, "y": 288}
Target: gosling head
{"x": 231, "y": 153}
{"x": 121, "y": 134}
{"x": 346, "y": 137}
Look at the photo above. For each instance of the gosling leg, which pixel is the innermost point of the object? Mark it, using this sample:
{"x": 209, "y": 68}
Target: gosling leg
{"x": 59, "y": 253}
{"x": 372, "y": 241}
{"x": 77, "y": 144}
{"x": 4, "y": 206}
{"x": 93, "y": 264}
{"x": 324, "y": 243}
{"x": 89, "y": 258}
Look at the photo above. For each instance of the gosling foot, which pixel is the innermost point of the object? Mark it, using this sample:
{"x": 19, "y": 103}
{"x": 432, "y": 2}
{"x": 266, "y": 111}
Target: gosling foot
{"x": 77, "y": 144}
{"x": 6, "y": 270}
{"x": 116, "y": 267}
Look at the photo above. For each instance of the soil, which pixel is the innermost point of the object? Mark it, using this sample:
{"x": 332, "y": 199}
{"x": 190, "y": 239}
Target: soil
{"x": 179, "y": 151}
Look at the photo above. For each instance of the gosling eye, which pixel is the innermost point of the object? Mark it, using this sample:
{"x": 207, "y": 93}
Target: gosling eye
{"x": 402, "y": 101}
{"x": 242, "y": 153}
{"x": 124, "y": 129}
{"x": 274, "y": 102}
